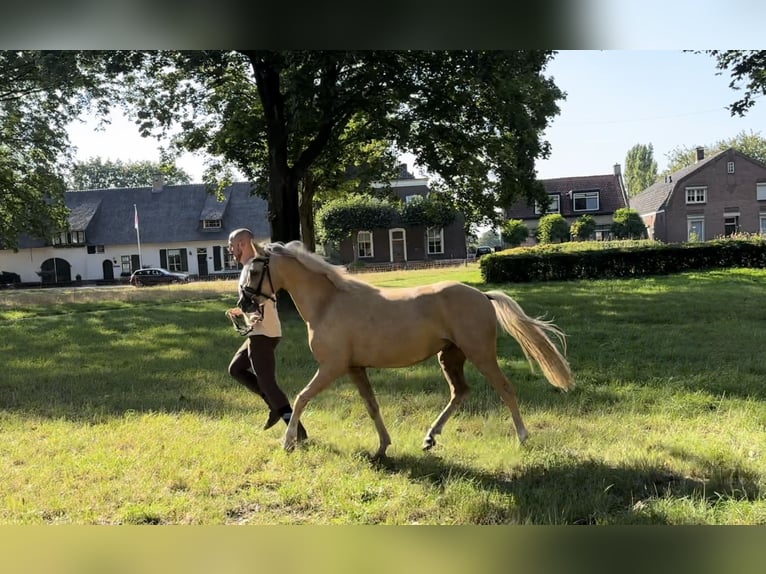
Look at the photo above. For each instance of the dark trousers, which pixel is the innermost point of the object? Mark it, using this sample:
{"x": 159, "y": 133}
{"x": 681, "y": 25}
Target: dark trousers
{"x": 254, "y": 365}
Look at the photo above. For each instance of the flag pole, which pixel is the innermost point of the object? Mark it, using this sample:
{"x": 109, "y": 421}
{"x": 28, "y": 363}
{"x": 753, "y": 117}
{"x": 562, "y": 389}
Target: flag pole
{"x": 138, "y": 235}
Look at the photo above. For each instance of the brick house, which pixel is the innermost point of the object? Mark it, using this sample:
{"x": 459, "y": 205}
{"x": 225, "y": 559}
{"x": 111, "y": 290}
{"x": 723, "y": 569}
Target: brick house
{"x": 181, "y": 228}
{"x": 597, "y": 195}
{"x": 714, "y": 197}
{"x": 403, "y": 244}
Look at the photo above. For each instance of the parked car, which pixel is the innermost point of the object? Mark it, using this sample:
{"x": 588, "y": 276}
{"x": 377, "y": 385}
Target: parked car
{"x": 7, "y": 277}
{"x": 483, "y": 250}
{"x": 156, "y": 276}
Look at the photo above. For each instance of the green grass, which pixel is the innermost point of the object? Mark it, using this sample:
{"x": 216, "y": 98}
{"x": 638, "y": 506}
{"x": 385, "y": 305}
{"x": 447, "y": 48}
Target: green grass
{"x": 115, "y": 407}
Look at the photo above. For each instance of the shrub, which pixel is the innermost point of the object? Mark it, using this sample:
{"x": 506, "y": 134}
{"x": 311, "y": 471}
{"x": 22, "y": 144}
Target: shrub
{"x": 584, "y": 227}
{"x": 514, "y": 232}
{"x": 553, "y": 228}
{"x": 627, "y": 224}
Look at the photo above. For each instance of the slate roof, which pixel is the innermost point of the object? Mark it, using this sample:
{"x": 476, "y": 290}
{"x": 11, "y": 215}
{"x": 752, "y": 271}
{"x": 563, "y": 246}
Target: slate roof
{"x": 654, "y": 197}
{"x": 611, "y": 197}
{"x": 173, "y": 214}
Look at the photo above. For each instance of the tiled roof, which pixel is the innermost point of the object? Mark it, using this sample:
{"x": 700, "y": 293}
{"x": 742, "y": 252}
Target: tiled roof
{"x": 173, "y": 214}
{"x": 611, "y": 197}
{"x": 654, "y": 197}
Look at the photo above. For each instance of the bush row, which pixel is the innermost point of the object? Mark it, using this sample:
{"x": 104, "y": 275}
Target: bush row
{"x": 620, "y": 259}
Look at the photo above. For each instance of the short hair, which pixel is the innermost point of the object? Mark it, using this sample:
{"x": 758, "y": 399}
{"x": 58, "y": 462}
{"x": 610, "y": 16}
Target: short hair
{"x": 237, "y": 233}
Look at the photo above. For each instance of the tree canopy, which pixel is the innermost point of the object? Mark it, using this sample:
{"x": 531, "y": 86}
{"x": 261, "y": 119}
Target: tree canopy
{"x": 473, "y": 118}
{"x": 751, "y": 144}
{"x": 640, "y": 168}
{"x": 97, "y": 173}
{"x": 41, "y": 92}
{"x": 746, "y": 67}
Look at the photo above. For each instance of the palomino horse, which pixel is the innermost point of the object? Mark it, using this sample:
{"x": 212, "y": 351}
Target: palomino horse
{"x": 353, "y": 325}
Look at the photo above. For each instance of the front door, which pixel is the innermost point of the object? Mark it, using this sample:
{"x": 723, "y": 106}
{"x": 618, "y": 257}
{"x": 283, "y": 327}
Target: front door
{"x": 55, "y": 270}
{"x": 108, "y": 270}
{"x": 202, "y": 261}
{"x": 398, "y": 239}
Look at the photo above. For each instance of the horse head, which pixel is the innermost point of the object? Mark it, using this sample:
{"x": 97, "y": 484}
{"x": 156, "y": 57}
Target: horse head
{"x": 252, "y": 294}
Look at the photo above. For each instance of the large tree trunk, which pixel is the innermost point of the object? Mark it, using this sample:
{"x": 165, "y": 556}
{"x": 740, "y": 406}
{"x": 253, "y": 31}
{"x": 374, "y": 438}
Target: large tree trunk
{"x": 308, "y": 230}
{"x": 284, "y": 214}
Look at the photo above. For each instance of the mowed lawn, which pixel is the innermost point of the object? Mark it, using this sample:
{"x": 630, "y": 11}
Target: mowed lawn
{"x": 116, "y": 408}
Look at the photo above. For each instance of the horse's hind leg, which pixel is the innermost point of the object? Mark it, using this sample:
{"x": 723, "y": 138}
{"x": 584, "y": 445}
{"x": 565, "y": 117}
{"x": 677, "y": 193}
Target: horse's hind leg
{"x": 491, "y": 370}
{"x": 452, "y": 361}
{"x": 359, "y": 378}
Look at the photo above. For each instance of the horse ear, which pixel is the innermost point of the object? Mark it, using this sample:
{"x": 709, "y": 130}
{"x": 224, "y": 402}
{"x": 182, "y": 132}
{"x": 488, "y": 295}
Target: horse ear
{"x": 259, "y": 250}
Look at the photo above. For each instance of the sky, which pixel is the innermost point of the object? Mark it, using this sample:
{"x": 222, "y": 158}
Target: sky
{"x": 615, "y": 100}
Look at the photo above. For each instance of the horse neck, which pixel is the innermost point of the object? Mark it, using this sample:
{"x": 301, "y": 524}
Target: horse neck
{"x": 310, "y": 291}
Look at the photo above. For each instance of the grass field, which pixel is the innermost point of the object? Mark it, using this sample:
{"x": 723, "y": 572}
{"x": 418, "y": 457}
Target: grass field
{"x": 116, "y": 408}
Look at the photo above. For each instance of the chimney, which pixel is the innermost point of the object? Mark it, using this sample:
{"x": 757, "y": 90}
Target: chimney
{"x": 617, "y": 169}
{"x": 158, "y": 182}
{"x": 700, "y": 153}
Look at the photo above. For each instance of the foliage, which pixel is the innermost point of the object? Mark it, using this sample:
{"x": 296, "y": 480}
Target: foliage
{"x": 627, "y": 224}
{"x": 640, "y": 168}
{"x": 745, "y": 66}
{"x": 751, "y": 144}
{"x": 609, "y": 260}
{"x": 514, "y": 232}
{"x": 553, "y": 228}
{"x": 41, "y": 92}
{"x": 99, "y": 174}
{"x": 474, "y": 118}
{"x": 434, "y": 210}
{"x": 583, "y": 227}
{"x": 339, "y": 218}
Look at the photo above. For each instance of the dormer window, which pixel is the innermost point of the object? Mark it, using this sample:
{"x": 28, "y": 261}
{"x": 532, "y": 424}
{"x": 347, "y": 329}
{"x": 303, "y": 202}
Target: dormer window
{"x": 68, "y": 238}
{"x": 211, "y": 224}
{"x": 585, "y": 201}
{"x": 554, "y": 205}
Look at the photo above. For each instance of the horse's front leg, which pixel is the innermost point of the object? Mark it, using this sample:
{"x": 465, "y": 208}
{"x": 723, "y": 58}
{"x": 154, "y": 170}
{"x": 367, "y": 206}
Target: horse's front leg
{"x": 321, "y": 379}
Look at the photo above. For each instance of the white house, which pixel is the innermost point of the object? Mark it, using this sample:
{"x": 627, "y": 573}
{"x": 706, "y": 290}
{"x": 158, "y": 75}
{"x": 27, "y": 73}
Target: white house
{"x": 180, "y": 227}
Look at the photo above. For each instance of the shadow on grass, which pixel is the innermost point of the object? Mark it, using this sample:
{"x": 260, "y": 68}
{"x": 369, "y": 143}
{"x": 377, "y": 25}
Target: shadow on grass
{"x": 579, "y": 492}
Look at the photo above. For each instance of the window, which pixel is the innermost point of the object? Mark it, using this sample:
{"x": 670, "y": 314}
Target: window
{"x": 411, "y": 198}
{"x": 435, "y": 240}
{"x": 553, "y": 205}
{"x": 585, "y": 201}
{"x": 66, "y": 238}
{"x": 125, "y": 264}
{"x": 95, "y": 249}
{"x": 696, "y": 229}
{"x": 229, "y": 262}
{"x": 760, "y": 191}
{"x": 211, "y": 224}
{"x": 730, "y": 224}
{"x": 763, "y": 224}
{"x": 175, "y": 262}
{"x": 730, "y": 167}
{"x": 364, "y": 244}
{"x": 696, "y": 194}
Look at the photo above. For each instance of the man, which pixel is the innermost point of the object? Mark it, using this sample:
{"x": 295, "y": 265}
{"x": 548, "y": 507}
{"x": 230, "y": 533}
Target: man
{"x": 254, "y": 363}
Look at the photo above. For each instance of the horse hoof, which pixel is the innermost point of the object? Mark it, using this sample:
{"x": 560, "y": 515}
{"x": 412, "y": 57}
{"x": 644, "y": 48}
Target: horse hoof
{"x": 429, "y": 442}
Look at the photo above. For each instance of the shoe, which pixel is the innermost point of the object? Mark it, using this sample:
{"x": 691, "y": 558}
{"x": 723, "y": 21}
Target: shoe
{"x": 273, "y": 419}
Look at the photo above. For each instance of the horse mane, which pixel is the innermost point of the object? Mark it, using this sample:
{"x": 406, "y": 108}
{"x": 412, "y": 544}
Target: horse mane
{"x": 337, "y": 274}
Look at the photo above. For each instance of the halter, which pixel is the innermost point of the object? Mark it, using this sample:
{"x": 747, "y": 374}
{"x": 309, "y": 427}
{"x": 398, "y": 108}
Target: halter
{"x": 254, "y": 294}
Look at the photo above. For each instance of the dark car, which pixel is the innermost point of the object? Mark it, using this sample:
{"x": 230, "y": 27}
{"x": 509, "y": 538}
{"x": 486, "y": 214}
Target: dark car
{"x": 483, "y": 250}
{"x": 7, "y": 277}
{"x": 156, "y": 276}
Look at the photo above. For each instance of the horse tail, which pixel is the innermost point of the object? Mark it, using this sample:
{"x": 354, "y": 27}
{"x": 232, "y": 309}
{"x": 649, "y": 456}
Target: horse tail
{"x": 532, "y": 335}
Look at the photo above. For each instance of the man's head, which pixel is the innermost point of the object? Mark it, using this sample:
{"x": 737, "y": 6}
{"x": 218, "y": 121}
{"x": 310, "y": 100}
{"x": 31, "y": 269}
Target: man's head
{"x": 241, "y": 244}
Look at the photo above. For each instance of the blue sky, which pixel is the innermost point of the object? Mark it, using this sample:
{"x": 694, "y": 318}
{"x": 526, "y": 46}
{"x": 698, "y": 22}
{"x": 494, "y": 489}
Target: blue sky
{"x": 615, "y": 99}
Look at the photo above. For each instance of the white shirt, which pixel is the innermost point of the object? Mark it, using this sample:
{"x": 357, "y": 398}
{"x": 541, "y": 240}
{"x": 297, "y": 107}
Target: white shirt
{"x": 270, "y": 325}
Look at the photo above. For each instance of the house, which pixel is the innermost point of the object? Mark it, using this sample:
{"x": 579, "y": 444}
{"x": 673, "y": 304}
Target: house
{"x": 402, "y": 244}
{"x": 716, "y": 196}
{"x": 572, "y": 197}
{"x": 180, "y": 227}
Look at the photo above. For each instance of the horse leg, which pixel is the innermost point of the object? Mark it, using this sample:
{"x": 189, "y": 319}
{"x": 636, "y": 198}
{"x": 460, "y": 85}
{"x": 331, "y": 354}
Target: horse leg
{"x": 491, "y": 370}
{"x": 359, "y": 377}
{"x": 321, "y": 380}
{"x": 452, "y": 361}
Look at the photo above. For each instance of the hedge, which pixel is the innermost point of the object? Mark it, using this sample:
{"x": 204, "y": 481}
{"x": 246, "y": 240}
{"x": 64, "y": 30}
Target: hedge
{"x": 607, "y": 260}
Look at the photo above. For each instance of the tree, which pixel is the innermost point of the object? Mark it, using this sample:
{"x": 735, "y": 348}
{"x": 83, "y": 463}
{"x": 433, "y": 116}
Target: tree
{"x": 99, "y": 174}
{"x": 745, "y": 66}
{"x": 489, "y": 237}
{"x": 627, "y": 224}
{"x": 514, "y": 232}
{"x": 41, "y": 92}
{"x": 474, "y": 118}
{"x": 640, "y": 168}
{"x": 751, "y": 144}
{"x": 553, "y": 228}
{"x": 340, "y": 218}
{"x": 583, "y": 227}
